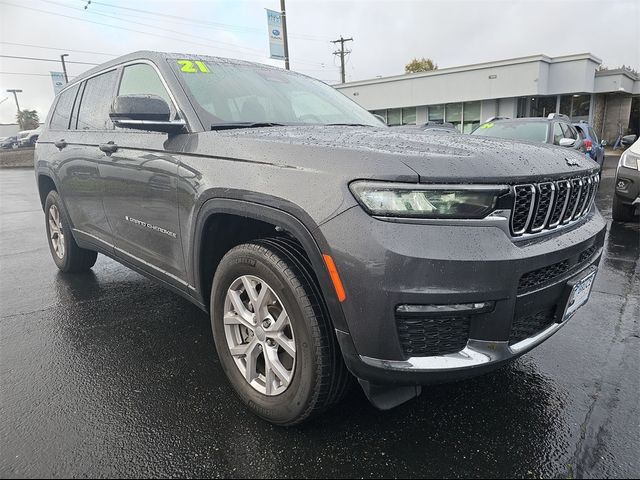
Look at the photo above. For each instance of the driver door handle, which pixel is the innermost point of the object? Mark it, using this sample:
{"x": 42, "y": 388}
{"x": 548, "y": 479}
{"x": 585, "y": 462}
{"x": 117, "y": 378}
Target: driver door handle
{"x": 108, "y": 148}
{"x": 60, "y": 144}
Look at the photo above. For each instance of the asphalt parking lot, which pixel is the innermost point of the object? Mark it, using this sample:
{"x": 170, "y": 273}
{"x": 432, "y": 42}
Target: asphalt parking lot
{"x": 109, "y": 375}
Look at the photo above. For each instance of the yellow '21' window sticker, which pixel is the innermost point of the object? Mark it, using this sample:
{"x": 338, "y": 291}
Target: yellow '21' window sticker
{"x": 193, "y": 66}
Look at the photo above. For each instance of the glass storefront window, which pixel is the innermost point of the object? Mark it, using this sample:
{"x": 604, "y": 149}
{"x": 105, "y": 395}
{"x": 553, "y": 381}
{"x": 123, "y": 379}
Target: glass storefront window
{"x": 394, "y": 116}
{"x": 471, "y": 116}
{"x": 575, "y": 106}
{"x": 543, "y": 106}
{"x": 436, "y": 113}
{"x": 453, "y": 114}
{"x": 409, "y": 116}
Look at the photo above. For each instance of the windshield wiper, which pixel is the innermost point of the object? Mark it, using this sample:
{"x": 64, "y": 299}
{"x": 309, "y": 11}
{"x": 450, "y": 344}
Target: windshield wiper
{"x": 232, "y": 125}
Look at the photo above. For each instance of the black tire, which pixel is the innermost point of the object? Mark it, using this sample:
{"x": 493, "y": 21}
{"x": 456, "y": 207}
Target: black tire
{"x": 621, "y": 212}
{"x": 72, "y": 258}
{"x": 320, "y": 378}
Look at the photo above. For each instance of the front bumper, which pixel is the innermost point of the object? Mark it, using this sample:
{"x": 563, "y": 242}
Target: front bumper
{"x": 385, "y": 264}
{"x": 628, "y": 185}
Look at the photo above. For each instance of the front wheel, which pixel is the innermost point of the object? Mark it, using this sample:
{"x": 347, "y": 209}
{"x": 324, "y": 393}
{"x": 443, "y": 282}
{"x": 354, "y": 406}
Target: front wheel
{"x": 66, "y": 253}
{"x": 273, "y": 335}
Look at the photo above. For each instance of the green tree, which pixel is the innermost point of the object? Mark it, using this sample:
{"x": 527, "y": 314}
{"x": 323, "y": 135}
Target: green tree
{"x": 420, "y": 65}
{"x": 28, "y": 119}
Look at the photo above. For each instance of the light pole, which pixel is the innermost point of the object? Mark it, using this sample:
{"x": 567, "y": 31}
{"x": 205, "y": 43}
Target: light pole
{"x": 15, "y": 95}
{"x": 64, "y": 67}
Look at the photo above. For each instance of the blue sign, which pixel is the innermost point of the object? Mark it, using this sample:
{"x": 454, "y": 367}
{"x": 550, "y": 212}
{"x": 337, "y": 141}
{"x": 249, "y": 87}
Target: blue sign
{"x": 276, "y": 40}
{"x": 57, "y": 78}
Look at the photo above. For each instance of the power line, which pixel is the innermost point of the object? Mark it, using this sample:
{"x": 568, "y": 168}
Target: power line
{"x": 261, "y": 55}
{"x": 204, "y": 23}
{"x": 16, "y": 57}
{"x": 59, "y": 49}
{"x": 25, "y": 73}
{"x": 119, "y": 27}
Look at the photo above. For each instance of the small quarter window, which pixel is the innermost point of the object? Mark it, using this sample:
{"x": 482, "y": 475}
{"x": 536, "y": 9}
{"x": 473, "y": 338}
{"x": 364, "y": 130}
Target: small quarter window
{"x": 62, "y": 113}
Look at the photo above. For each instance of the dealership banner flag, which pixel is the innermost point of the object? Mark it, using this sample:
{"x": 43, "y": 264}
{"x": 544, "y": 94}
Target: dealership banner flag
{"x": 58, "y": 82}
{"x": 276, "y": 40}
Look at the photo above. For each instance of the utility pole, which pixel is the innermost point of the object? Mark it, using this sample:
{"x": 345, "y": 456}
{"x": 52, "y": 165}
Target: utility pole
{"x": 15, "y": 95}
{"x": 64, "y": 67}
{"x": 283, "y": 13}
{"x": 342, "y": 52}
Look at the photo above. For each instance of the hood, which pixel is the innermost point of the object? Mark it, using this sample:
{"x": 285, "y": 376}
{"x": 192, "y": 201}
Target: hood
{"x": 433, "y": 156}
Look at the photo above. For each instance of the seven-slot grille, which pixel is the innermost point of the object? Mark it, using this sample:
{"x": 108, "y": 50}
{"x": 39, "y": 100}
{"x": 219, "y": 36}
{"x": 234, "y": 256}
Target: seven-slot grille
{"x": 543, "y": 206}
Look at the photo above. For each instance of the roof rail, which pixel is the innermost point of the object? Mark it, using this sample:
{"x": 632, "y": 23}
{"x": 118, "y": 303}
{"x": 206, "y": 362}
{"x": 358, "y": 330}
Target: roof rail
{"x": 558, "y": 115}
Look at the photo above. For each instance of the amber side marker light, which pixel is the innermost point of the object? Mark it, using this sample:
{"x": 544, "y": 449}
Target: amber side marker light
{"x": 335, "y": 277}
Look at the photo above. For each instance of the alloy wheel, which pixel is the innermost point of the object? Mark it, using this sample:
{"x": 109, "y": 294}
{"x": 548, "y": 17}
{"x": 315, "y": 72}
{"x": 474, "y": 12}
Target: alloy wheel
{"x": 259, "y": 335}
{"x": 56, "y": 234}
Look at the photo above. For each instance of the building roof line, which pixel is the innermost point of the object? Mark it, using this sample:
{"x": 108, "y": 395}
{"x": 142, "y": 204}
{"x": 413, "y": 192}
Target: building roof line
{"x": 477, "y": 66}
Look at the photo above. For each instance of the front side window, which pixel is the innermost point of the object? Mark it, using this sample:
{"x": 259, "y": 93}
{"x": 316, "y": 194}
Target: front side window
{"x": 568, "y": 131}
{"x": 558, "y": 133}
{"x": 514, "y": 130}
{"x": 62, "y": 113}
{"x": 96, "y": 102}
{"x": 142, "y": 79}
{"x": 228, "y": 93}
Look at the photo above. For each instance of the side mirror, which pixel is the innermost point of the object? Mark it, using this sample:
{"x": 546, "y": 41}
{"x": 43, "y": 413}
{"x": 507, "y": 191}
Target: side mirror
{"x": 603, "y": 143}
{"x": 567, "y": 142}
{"x": 144, "y": 112}
{"x": 628, "y": 140}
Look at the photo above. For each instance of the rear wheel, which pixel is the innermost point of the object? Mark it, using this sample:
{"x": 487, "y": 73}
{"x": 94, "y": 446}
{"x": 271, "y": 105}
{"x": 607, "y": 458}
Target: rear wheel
{"x": 66, "y": 253}
{"x": 621, "y": 212}
{"x": 272, "y": 334}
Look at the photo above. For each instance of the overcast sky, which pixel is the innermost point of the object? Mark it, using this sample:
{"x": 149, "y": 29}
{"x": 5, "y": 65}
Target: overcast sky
{"x": 387, "y": 34}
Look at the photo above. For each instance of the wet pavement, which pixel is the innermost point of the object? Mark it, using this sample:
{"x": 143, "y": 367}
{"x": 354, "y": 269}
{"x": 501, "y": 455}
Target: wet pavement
{"x": 109, "y": 375}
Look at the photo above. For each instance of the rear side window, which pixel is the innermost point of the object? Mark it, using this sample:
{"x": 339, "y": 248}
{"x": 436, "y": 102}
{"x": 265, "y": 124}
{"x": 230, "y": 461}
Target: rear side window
{"x": 62, "y": 113}
{"x": 96, "y": 102}
{"x": 142, "y": 79}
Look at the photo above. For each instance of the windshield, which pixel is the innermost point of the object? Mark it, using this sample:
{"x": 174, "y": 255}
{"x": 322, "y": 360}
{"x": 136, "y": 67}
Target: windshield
{"x": 527, "y": 131}
{"x": 231, "y": 93}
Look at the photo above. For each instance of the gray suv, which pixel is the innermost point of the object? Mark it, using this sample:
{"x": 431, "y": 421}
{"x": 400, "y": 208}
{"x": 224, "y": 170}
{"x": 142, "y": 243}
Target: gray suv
{"x": 324, "y": 245}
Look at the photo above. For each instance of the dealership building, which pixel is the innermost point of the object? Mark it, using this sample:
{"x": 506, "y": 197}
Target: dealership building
{"x": 532, "y": 86}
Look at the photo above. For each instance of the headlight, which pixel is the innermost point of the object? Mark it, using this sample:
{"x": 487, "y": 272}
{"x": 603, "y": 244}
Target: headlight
{"x": 630, "y": 159}
{"x": 427, "y": 201}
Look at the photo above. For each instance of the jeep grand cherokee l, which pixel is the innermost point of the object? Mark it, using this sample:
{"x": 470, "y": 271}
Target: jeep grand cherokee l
{"x": 324, "y": 245}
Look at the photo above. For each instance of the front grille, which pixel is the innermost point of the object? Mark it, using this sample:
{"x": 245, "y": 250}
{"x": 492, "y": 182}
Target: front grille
{"x": 425, "y": 337}
{"x": 525, "y": 326}
{"x": 544, "y": 206}
{"x": 532, "y": 279}
{"x": 587, "y": 253}
{"x": 542, "y": 276}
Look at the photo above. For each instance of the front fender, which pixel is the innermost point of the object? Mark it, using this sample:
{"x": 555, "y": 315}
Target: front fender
{"x": 303, "y": 229}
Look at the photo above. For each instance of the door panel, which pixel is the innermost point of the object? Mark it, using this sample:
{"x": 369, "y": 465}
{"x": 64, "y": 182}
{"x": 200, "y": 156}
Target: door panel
{"x": 140, "y": 199}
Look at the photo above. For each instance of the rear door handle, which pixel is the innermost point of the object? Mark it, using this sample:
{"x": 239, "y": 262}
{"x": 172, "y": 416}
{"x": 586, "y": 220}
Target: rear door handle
{"x": 60, "y": 144}
{"x": 108, "y": 148}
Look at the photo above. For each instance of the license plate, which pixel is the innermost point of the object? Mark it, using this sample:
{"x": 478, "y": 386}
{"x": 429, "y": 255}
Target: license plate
{"x": 579, "y": 295}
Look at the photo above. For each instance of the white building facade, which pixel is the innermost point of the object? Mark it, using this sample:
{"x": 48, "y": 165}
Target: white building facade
{"x": 521, "y": 87}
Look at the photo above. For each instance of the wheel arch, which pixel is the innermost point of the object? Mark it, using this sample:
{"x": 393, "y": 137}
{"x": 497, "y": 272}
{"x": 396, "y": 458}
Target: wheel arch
{"x": 281, "y": 222}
